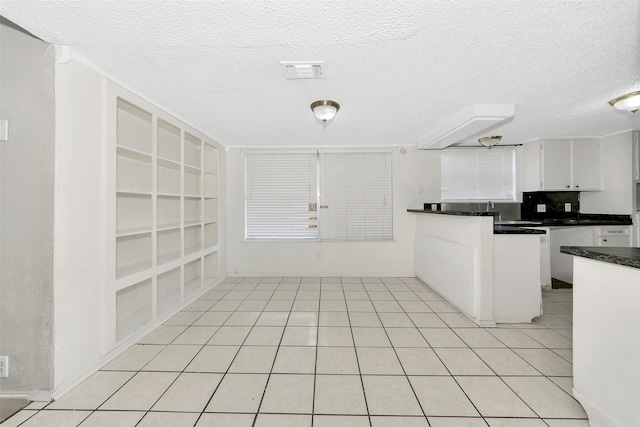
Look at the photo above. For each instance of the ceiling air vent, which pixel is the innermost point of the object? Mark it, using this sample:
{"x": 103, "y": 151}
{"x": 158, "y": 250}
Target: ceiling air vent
{"x": 302, "y": 70}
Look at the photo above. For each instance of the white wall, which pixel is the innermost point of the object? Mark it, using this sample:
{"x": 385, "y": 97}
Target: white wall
{"x": 394, "y": 258}
{"x": 26, "y": 214}
{"x": 79, "y": 246}
{"x": 617, "y": 175}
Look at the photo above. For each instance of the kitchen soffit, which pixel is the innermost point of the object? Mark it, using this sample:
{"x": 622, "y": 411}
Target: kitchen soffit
{"x": 398, "y": 68}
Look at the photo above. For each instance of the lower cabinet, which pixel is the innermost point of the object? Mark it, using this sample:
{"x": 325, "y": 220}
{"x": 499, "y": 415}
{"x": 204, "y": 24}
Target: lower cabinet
{"x": 561, "y": 265}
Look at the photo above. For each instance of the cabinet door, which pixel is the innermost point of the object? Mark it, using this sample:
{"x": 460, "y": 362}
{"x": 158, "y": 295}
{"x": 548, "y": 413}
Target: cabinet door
{"x": 556, "y": 164}
{"x": 587, "y": 174}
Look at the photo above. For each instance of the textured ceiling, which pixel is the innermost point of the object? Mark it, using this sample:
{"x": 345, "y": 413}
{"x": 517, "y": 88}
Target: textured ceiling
{"x": 398, "y": 69}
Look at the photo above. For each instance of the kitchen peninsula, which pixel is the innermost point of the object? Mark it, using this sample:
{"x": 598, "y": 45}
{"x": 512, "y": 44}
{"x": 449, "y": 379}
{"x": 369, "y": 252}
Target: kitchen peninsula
{"x": 606, "y": 343}
{"x": 490, "y": 273}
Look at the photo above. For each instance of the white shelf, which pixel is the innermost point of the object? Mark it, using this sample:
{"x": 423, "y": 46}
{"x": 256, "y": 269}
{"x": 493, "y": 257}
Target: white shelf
{"x": 192, "y": 277}
{"x": 133, "y": 154}
{"x": 168, "y": 211}
{"x": 168, "y": 177}
{"x": 192, "y": 183}
{"x": 211, "y": 267}
{"x": 192, "y": 151}
{"x": 192, "y": 249}
{"x": 210, "y": 234}
{"x": 169, "y": 227}
{"x": 192, "y": 210}
{"x": 169, "y": 245}
{"x": 211, "y": 186}
{"x": 166, "y": 183}
{"x": 211, "y": 210}
{"x": 133, "y": 211}
{"x": 133, "y": 254}
{"x": 133, "y": 309}
{"x": 210, "y": 159}
{"x": 133, "y": 127}
{"x": 168, "y": 141}
{"x": 133, "y": 232}
{"x": 168, "y": 294}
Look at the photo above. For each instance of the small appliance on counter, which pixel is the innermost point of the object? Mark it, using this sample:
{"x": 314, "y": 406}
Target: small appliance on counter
{"x": 433, "y": 207}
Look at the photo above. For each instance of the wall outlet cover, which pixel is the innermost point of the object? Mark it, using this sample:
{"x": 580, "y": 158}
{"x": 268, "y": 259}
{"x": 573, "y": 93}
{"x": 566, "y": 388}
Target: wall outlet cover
{"x": 540, "y": 208}
{"x": 567, "y": 207}
{"x": 4, "y": 366}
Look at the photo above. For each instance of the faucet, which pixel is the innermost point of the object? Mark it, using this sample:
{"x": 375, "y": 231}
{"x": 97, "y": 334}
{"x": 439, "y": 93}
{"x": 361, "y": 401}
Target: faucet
{"x": 490, "y": 205}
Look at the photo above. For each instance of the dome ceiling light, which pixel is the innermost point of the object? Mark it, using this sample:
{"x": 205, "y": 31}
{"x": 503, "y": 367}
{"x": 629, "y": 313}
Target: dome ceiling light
{"x": 325, "y": 110}
{"x": 628, "y": 102}
{"x": 489, "y": 141}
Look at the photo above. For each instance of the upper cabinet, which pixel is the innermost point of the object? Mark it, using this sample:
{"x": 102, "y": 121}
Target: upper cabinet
{"x": 562, "y": 165}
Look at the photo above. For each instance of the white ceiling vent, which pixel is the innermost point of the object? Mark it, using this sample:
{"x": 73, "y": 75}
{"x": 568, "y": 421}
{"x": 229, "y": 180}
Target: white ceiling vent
{"x": 302, "y": 70}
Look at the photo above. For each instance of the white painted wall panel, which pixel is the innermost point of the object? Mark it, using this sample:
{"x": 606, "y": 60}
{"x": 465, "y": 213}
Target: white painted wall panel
{"x": 79, "y": 220}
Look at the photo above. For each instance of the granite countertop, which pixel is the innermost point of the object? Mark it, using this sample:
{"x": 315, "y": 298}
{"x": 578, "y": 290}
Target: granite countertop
{"x": 458, "y": 213}
{"x": 511, "y": 229}
{"x": 518, "y": 227}
{"x": 629, "y": 257}
{"x": 497, "y": 228}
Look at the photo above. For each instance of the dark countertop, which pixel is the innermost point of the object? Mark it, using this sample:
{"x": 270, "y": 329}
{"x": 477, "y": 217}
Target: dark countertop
{"x": 458, "y": 213}
{"x": 512, "y": 229}
{"x": 629, "y": 257}
{"x": 497, "y": 228}
{"x": 518, "y": 227}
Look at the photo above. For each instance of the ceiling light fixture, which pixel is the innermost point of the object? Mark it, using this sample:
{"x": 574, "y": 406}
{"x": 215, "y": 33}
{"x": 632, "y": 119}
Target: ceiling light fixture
{"x": 489, "y": 141}
{"x": 628, "y": 102}
{"x": 325, "y": 110}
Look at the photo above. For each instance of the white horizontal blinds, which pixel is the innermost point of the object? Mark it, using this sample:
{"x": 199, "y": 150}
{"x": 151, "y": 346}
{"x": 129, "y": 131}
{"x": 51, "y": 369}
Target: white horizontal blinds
{"x": 478, "y": 174}
{"x": 356, "y": 196}
{"x": 279, "y": 188}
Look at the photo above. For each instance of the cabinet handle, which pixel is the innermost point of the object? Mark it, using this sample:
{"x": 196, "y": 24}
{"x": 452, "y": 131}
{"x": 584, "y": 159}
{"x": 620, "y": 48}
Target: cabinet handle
{"x": 568, "y": 186}
{"x": 577, "y": 186}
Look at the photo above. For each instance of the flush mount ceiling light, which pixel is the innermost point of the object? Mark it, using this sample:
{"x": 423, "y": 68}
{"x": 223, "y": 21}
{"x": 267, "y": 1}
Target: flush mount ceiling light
{"x": 489, "y": 141}
{"x": 325, "y": 110}
{"x": 628, "y": 102}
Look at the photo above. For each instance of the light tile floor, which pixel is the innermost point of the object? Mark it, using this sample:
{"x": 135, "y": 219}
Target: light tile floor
{"x": 378, "y": 352}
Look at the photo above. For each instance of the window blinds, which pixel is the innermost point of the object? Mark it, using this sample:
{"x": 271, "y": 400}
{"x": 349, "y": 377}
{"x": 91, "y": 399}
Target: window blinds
{"x": 478, "y": 174}
{"x": 353, "y": 192}
{"x": 356, "y": 196}
{"x": 278, "y": 190}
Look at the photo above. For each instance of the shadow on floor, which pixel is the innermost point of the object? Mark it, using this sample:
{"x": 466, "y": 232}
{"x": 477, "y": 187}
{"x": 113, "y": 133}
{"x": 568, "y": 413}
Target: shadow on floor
{"x": 559, "y": 284}
{"x": 8, "y": 407}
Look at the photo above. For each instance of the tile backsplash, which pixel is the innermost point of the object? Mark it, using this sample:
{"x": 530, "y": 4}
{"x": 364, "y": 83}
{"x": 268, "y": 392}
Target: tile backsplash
{"x": 541, "y": 205}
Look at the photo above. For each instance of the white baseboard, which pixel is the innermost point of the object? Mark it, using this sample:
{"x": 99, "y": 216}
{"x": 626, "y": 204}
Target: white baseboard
{"x": 597, "y": 416}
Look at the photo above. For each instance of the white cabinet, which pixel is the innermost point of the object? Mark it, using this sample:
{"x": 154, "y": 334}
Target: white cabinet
{"x": 612, "y": 235}
{"x": 562, "y": 165}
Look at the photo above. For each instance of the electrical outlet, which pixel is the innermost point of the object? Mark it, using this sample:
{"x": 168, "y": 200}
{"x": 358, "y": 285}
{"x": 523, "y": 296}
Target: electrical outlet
{"x": 4, "y": 366}
{"x": 567, "y": 207}
{"x": 541, "y": 208}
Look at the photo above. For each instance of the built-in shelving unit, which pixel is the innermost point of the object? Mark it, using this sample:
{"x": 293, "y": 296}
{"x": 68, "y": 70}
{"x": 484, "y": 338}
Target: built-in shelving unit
{"x": 165, "y": 225}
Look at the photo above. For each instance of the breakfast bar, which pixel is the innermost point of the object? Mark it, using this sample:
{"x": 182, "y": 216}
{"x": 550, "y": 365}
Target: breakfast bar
{"x": 490, "y": 273}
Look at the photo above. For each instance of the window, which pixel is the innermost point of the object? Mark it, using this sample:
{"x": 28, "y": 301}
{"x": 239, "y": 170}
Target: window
{"x": 478, "y": 174}
{"x": 344, "y": 196}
